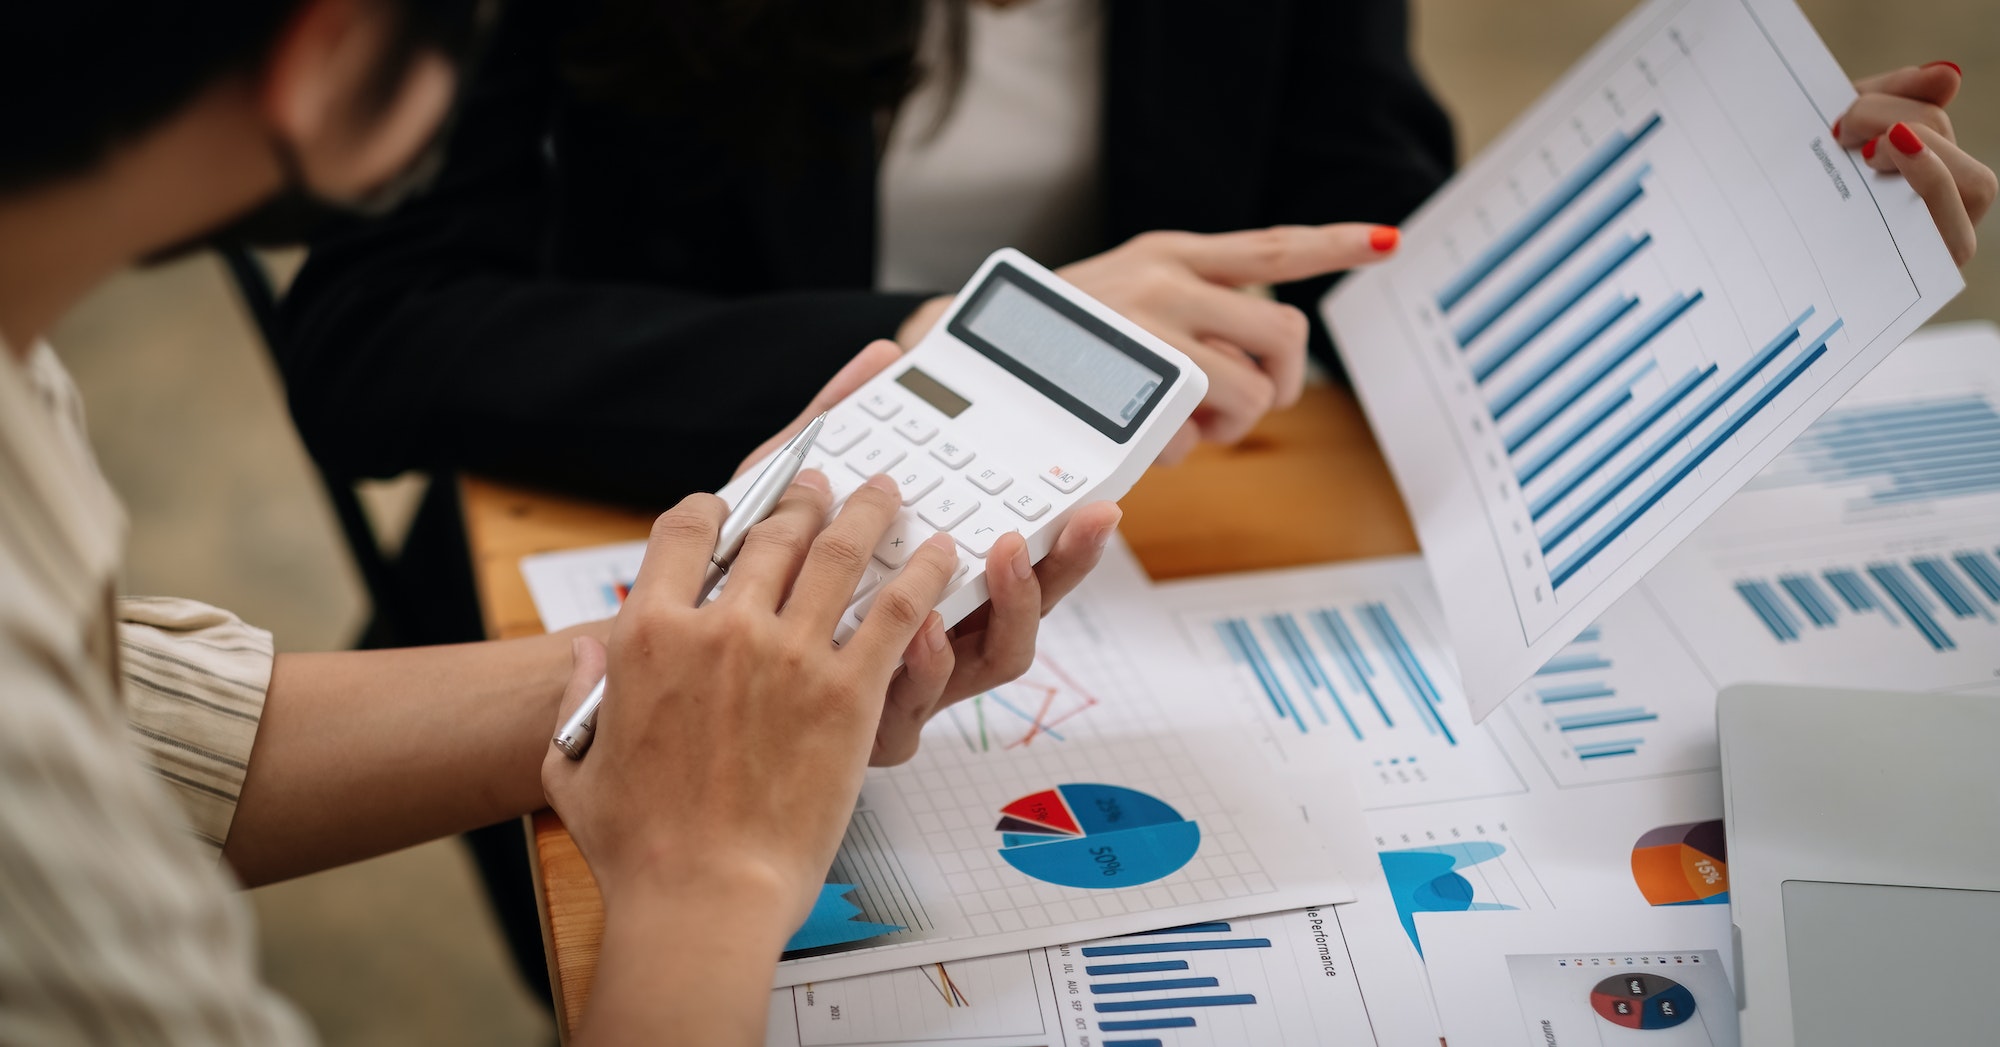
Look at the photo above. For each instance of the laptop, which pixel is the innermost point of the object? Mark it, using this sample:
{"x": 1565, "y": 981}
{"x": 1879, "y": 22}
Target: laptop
{"x": 1864, "y": 865}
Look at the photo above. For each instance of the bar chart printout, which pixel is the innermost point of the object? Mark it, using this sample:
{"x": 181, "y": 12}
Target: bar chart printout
{"x": 1868, "y": 553}
{"x": 1344, "y": 663}
{"x": 1610, "y": 321}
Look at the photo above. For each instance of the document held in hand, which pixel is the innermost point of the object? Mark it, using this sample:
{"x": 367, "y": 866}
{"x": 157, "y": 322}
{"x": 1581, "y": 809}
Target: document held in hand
{"x": 1621, "y": 311}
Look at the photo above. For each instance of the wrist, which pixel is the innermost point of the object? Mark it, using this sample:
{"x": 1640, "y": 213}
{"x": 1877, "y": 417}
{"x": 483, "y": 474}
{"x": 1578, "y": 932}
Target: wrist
{"x": 754, "y": 901}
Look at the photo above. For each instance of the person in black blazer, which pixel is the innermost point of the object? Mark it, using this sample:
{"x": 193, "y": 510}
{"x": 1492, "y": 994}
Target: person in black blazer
{"x": 617, "y": 300}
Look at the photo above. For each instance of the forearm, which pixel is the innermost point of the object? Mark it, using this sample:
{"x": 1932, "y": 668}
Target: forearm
{"x": 686, "y": 965}
{"x": 364, "y": 752}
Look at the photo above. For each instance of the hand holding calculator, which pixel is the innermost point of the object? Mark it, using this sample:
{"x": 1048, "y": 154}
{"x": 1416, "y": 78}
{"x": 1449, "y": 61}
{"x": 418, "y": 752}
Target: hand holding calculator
{"x": 1027, "y": 400}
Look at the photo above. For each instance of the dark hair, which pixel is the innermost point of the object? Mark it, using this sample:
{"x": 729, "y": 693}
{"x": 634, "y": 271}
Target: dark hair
{"x": 85, "y": 76}
{"x": 758, "y": 72}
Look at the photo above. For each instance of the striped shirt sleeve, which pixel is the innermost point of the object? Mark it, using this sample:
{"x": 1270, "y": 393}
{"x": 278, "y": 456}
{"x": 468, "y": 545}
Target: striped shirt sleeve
{"x": 115, "y": 927}
{"x": 195, "y": 680}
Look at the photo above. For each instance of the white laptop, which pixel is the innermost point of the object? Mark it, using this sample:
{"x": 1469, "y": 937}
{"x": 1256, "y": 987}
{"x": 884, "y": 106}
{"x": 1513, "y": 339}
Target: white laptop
{"x": 1864, "y": 865}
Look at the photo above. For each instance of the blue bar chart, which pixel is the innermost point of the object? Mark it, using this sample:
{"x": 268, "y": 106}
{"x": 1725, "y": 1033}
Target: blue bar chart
{"x": 1932, "y": 595}
{"x": 1868, "y": 553}
{"x": 1625, "y": 700}
{"x": 1344, "y": 665}
{"x": 1898, "y": 453}
{"x": 1613, "y": 319}
{"x": 1582, "y": 406}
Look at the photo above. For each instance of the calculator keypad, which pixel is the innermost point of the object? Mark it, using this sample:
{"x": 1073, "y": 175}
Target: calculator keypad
{"x": 876, "y": 456}
{"x": 947, "y": 508}
{"x": 1062, "y": 479}
{"x": 915, "y": 429}
{"x": 952, "y": 453}
{"x": 840, "y": 435}
{"x": 942, "y": 489}
{"x": 990, "y": 480}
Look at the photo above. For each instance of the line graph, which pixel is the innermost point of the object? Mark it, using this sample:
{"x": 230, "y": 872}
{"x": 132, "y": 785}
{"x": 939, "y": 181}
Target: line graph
{"x": 1015, "y": 715}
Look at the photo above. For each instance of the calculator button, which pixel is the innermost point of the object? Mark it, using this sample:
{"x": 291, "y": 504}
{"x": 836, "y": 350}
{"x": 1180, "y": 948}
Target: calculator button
{"x": 841, "y": 482}
{"x": 947, "y": 508}
{"x": 915, "y": 429}
{"x": 992, "y": 481}
{"x": 979, "y": 535}
{"x": 1062, "y": 479}
{"x": 871, "y": 578}
{"x": 839, "y": 435}
{"x": 880, "y": 404}
{"x": 875, "y": 456}
{"x": 1028, "y": 505}
{"x": 904, "y": 535}
{"x": 915, "y": 478}
{"x": 952, "y": 453}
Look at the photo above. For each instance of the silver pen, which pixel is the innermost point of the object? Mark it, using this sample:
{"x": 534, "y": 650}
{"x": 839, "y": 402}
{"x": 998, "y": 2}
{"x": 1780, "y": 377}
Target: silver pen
{"x": 758, "y": 502}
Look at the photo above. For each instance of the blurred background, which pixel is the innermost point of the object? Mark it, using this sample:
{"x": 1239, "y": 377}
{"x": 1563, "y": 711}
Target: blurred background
{"x": 191, "y": 426}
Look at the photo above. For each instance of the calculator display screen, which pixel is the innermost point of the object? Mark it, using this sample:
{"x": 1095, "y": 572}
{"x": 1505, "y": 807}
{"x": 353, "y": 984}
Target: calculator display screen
{"x": 1099, "y": 374}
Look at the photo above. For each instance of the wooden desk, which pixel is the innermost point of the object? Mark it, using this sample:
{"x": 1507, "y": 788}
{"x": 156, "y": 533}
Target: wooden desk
{"x": 1309, "y": 486}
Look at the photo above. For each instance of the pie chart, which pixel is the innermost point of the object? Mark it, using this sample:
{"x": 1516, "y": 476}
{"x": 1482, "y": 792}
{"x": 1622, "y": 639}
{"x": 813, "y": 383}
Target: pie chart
{"x": 1642, "y": 1001}
{"x": 1095, "y": 836}
{"x": 1683, "y": 865}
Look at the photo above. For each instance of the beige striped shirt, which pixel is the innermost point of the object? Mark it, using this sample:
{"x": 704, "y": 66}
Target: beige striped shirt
{"x": 125, "y": 728}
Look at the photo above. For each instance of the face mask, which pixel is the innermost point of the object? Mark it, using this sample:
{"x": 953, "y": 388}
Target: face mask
{"x": 295, "y": 212}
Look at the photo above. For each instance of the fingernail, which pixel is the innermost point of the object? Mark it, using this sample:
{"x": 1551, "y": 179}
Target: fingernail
{"x": 576, "y": 648}
{"x": 814, "y": 479}
{"x": 934, "y": 633}
{"x": 1905, "y": 140}
{"x": 1103, "y": 536}
{"x": 881, "y": 482}
{"x": 1384, "y": 237}
{"x": 1953, "y": 65}
{"x": 1836, "y": 129}
{"x": 1868, "y": 149}
{"x": 1022, "y": 568}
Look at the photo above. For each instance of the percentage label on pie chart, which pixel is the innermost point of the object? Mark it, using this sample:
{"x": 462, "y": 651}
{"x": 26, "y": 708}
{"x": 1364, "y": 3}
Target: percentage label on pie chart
{"x": 1642, "y": 1001}
{"x": 1095, "y": 836}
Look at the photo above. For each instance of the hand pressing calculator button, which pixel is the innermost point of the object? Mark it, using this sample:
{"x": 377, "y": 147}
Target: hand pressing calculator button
{"x": 1034, "y": 376}
{"x": 945, "y": 509}
{"x": 901, "y": 541}
{"x": 1027, "y": 505}
{"x": 1063, "y": 479}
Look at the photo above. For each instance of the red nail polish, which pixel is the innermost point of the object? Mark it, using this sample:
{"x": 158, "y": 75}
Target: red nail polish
{"x": 1836, "y": 129}
{"x": 1905, "y": 140}
{"x": 1868, "y": 149}
{"x": 1953, "y": 65}
{"x": 1384, "y": 237}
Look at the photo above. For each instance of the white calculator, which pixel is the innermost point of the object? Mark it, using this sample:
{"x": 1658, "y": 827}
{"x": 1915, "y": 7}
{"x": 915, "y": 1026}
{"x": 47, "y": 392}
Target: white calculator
{"x": 1028, "y": 399}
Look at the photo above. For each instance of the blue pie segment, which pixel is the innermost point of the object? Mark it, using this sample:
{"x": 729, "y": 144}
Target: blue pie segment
{"x": 1095, "y": 836}
{"x": 1642, "y": 1001}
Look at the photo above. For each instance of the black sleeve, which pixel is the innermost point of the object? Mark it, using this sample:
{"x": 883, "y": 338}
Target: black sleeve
{"x": 442, "y": 337}
{"x": 1359, "y": 138}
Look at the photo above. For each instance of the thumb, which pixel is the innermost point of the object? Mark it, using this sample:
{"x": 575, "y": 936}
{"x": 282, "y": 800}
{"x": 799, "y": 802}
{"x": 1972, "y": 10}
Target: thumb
{"x": 587, "y": 662}
{"x": 870, "y": 362}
